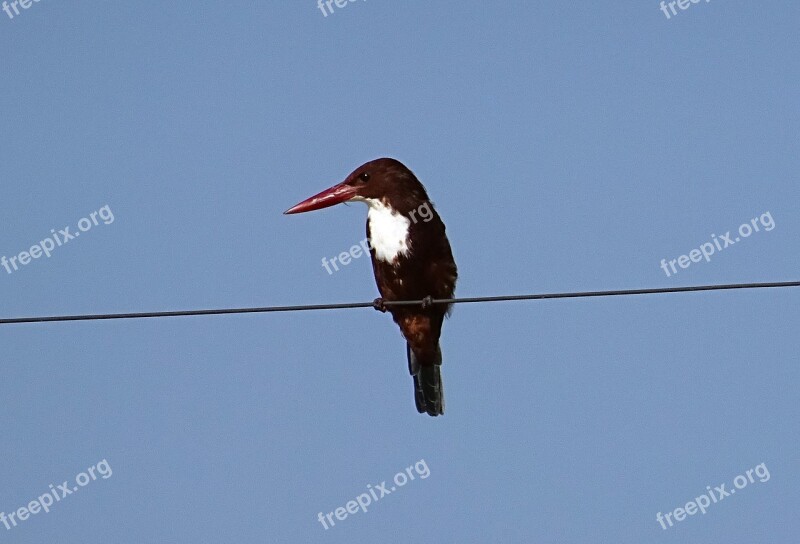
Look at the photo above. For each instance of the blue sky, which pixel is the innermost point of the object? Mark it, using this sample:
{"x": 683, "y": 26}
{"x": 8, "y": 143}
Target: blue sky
{"x": 568, "y": 147}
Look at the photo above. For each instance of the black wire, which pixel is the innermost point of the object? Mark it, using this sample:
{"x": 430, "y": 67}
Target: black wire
{"x": 267, "y": 309}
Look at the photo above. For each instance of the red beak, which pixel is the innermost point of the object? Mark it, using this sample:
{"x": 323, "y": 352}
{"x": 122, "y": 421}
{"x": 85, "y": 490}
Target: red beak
{"x": 329, "y": 197}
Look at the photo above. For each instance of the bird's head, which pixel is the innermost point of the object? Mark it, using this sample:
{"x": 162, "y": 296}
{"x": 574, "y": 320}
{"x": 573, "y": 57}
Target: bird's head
{"x": 383, "y": 180}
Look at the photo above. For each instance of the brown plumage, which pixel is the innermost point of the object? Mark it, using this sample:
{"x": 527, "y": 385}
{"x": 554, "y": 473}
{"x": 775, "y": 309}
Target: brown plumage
{"x": 411, "y": 260}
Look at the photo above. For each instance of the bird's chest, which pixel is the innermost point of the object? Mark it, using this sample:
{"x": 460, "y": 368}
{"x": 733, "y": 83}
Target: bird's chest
{"x": 388, "y": 233}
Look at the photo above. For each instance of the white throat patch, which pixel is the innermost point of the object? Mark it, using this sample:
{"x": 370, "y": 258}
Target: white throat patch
{"x": 388, "y": 231}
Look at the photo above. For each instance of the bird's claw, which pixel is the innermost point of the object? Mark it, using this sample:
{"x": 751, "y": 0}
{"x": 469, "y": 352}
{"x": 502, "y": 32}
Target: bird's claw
{"x": 379, "y": 305}
{"x": 427, "y": 302}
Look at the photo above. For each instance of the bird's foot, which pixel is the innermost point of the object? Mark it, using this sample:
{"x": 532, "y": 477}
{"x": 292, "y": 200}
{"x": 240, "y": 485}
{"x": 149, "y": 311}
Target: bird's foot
{"x": 427, "y": 302}
{"x": 379, "y": 305}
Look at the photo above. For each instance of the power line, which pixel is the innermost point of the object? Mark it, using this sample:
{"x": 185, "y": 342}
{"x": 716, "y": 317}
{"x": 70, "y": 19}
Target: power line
{"x": 343, "y": 306}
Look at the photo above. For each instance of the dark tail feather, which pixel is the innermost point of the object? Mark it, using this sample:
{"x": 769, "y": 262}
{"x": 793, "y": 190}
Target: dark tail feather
{"x": 428, "y": 387}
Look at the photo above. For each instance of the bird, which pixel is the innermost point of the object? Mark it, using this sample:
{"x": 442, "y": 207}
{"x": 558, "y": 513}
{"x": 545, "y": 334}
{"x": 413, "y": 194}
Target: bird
{"x": 411, "y": 260}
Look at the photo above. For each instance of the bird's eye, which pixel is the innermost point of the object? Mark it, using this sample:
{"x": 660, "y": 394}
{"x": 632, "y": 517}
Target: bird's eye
{"x": 364, "y": 176}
